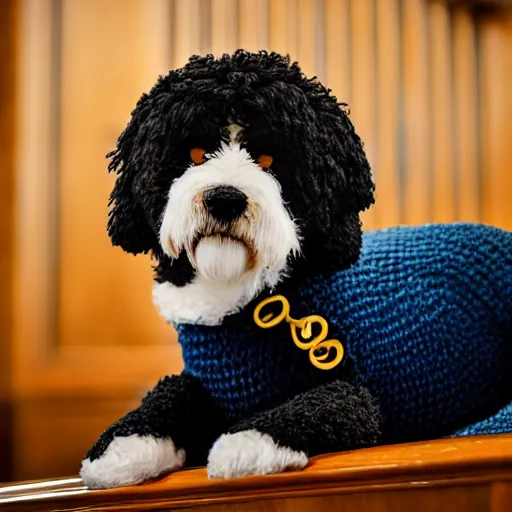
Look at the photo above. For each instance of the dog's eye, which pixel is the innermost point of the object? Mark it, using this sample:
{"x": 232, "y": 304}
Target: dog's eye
{"x": 265, "y": 161}
{"x": 198, "y": 156}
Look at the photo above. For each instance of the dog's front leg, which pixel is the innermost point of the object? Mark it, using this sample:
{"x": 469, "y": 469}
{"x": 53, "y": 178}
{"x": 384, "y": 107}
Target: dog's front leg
{"x": 175, "y": 424}
{"x": 330, "y": 418}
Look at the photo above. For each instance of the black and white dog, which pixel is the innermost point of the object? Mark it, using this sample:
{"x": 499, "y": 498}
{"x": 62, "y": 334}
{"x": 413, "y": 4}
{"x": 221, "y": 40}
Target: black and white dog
{"x": 238, "y": 175}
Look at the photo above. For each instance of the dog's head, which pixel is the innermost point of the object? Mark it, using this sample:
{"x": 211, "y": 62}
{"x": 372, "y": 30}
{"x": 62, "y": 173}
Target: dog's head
{"x": 235, "y": 173}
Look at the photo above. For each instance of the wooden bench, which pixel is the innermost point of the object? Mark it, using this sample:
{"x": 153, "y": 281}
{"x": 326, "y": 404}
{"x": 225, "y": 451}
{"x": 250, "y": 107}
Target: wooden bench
{"x": 455, "y": 475}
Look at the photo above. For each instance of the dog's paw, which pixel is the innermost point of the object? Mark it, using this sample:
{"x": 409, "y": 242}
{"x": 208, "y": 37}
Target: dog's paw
{"x": 131, "y": 460}
{"x": 250, "y": 452}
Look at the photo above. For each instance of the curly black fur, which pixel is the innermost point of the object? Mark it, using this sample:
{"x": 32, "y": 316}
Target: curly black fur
{"x": 330, "y": 418}
{"x": 177, "y": 408}
{"x": 317, "y": 156}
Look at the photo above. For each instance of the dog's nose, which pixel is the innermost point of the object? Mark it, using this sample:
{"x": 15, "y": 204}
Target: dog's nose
{"x": 225, "y": 203}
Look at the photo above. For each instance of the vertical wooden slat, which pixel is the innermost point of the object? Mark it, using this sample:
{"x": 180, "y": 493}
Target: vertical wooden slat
{"x": 254, "y": 24}
{"x": 186, "y": 35}
{"x": 224, "y": 26}
{"x": 495, "y": 115}
{"x": 416, "y": 121}
{"x": 441, "y": 101}
{"x": 205, "y": 8}
{"x": 362, "y": 100}
{"x": 306, "y": 36}
{"x": 320, "y": 39}
{"x": 283, "y": 30}
{"x": 278, "y": 25}
{"x": 292, "y": 37}
{"x": 157, "y": 23}
{"x": 465, "y": 100}
{"x": 99, "y": 84}
{"x": 386, "y": 167}
{"x": 8, "y": 81}
{"x": 264, "y": 20}
{"x": 248, "y": 24}
{"x": 8, "y": 49}
{"x": 337, "y": 57}
{"x": 501, "y": 496}
{"x": 33, "y": 228}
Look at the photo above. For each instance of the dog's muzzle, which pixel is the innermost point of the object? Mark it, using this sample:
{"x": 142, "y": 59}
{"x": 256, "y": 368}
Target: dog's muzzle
{"x": 225, "y": 203}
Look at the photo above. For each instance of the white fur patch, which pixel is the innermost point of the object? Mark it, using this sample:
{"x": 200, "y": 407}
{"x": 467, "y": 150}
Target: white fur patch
{"x": 273, "y": 232}
{"x": 249, "y": 453}
{"x": 203, "y": 301}
{"x": 225, "y": 281}
{"x": 221, "y": 259}
{"x": 131, "y": 460}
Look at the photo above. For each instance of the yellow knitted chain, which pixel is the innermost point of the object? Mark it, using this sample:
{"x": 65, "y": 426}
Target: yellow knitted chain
{"x": 305, "y": 325}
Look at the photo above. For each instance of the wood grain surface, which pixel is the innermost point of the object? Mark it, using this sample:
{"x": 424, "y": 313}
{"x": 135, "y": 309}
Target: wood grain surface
{"x": 8, "y": 90}
{"x": 466, "y": 474}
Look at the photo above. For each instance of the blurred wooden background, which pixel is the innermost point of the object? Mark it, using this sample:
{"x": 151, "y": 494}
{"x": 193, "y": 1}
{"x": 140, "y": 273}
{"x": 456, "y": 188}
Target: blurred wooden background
{"x": 429, "y": 84}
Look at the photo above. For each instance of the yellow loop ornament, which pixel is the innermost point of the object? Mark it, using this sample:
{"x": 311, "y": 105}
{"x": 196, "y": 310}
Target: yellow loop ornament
{"x": 306, "y": 331}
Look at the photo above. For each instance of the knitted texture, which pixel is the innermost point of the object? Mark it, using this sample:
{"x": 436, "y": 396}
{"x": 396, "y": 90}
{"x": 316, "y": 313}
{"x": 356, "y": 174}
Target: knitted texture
{"x": 425, "y": 317}
{"x": 496, "y": 424}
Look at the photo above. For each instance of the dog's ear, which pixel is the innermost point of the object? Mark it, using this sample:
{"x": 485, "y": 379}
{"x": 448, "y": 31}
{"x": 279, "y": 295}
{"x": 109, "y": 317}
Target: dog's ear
{"x": 350, "y": 162}
{"x": 127, "y": 224}
{"x": 338, "y": 189}
{"x": 341, "y": 163}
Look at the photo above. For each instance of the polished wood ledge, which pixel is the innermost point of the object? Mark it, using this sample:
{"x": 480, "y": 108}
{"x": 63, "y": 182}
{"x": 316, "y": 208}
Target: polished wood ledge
{"x": 456, "y": 475}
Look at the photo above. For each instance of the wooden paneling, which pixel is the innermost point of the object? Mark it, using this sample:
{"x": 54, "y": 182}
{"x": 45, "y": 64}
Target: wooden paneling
{"x": 386, "y": 164}
{"x": 309, "y": 37}
{"x": 52, "y": 436}
{"x": 99, "y": 80}
{"x": 224, "y": 26}
{"x": 459, "y": 498}
{"x": 8, "y": 83}
{"x": 428, "y": 84}
{"x": 187, "y": 30}
{"x": 466, "y": 129}
{"x": 443, "y": 500}
{"x": 84, "y": 324}
{"x": 8, "y": 14}
{"x": 362, "y": 88}
{"x": 416, "y": 118}
{"x": 501, "y": 497}
{"x": 495, "y": 33}
{"x": 337, "y": 48}
{"x": 441, "y": 101}
{"x": 283, "y": 26}
{"x": 254, "y": 24}
{"x": 91, "y": 315}
{"x": 414, "y": 75}
{"x": 485, "y": 3}
{"x": 432, "y": 131}
{"x": 463, "y": 475}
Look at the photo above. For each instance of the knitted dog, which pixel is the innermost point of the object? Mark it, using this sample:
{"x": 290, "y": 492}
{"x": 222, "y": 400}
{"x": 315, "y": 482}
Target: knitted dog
{"x": 245, "y": 180}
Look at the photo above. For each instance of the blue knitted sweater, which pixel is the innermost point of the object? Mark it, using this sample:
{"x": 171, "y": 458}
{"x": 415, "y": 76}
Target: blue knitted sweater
{"x": 425, "y": 317}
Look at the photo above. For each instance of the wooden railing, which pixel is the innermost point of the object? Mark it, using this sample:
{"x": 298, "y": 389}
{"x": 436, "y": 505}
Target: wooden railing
{"x": 452, "y": 475}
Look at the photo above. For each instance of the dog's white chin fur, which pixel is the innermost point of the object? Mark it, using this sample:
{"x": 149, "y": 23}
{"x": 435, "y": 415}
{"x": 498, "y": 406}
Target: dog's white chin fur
{"x": 221, "y": 259}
